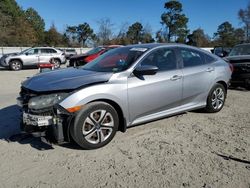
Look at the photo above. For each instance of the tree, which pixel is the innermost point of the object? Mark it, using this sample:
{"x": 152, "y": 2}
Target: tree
{"x": 198, "y": 38}
{"x": 71, "y": 34}
{"x": 15, "y": 28}
{"x": 105, "y": 33}
{"x": 36, "y": 22}
{"x": 239, "y": 35}
{"x": 54, "y": 38}
{"x": 84, "y": 32}
{"x": 134, "y": 33}
{"x": 174, "y": 21}
{"x": 147, "y": 34}
{"x": 244, "y": 16}
{"x": 121, "y": 37}
{"x": 225, "y": 35}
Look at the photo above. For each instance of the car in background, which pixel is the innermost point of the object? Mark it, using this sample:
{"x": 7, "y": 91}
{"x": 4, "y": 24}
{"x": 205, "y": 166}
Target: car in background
{"x": 32, "y": 57}
{"x": 221, "y": 51}
{"x": 239, "y": 58}
{"x": 124, "y": 87}
{"x": 69, "y": 52}
{"x": 82, "y": 59}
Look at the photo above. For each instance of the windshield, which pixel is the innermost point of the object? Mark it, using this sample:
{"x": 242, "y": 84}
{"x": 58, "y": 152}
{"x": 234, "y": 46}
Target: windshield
{"x": 240, "y": 50}
{"x": 115, "y": 60}
{"x": 24, "y": 51}
{"x": 95, "y": 50}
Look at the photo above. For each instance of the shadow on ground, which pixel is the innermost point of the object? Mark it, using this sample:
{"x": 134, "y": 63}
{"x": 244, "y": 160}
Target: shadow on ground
{"x": 10, "y": 131}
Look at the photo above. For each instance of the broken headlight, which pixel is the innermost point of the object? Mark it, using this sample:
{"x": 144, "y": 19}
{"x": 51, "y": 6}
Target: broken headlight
{"x": 46, "y": 101}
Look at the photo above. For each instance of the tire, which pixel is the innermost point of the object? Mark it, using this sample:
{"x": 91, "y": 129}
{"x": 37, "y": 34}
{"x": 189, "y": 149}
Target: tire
{"x": 216, "y": 98}
{"x": 95, "y": 125}
{"x": 16, "y": 65}
{"x": 57, "y": 63}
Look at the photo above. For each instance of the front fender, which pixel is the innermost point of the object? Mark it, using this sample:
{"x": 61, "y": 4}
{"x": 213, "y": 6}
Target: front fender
{"x": 113, "y": 92}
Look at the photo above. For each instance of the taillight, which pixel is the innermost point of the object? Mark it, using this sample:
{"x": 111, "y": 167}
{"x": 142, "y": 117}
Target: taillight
{"x": 231, "y": 67}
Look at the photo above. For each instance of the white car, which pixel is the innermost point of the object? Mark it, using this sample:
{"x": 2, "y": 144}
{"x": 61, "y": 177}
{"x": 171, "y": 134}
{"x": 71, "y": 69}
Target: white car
{"x": 32, "y": 57}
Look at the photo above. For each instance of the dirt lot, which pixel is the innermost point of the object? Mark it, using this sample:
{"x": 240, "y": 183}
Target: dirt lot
{"x": 181, "y": 151}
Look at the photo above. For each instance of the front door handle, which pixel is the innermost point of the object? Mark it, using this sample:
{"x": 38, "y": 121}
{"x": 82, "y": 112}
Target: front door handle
{"x": 210, "y": 69}
{"x": 175, "y": 77}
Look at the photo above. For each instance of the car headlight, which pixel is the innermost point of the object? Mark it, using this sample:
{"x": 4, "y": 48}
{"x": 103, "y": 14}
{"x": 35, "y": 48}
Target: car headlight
{"x": 46, "y": 101}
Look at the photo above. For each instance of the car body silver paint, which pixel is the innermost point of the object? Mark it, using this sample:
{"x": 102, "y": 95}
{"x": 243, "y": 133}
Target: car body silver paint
{"x": 146, "y": 100}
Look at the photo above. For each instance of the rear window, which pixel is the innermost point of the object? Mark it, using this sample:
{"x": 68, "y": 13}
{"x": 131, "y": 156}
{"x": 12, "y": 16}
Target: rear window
{"x": 48, "y": 51}
{"x": 192, "y": 58}
{"x": 209, "y": 59}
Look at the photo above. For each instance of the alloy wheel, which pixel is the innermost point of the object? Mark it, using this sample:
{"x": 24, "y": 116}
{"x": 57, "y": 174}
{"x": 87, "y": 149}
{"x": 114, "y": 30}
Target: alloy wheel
{"x": 98, "y": 126}
{"x": 16, "y": 65}
{"x": 218, "y": 98}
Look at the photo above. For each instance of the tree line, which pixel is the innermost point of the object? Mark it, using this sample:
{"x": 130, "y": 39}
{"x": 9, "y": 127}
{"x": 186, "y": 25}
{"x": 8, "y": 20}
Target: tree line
{"x": 20, "y": 27}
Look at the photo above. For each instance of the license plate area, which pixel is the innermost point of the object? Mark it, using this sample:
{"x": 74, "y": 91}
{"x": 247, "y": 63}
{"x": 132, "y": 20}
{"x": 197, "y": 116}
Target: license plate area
{"x": 36, "y": 120}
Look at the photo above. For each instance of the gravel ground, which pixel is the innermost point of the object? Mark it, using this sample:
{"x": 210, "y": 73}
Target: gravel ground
{"x": 190, "y": 150}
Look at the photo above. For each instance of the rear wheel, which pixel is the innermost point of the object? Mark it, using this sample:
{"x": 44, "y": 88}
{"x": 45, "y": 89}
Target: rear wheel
{"x": 95, "y": 126}
{"x": 57, "y": 63}
{"x": 16, "y": 65}
{"x": 216, "y": 98}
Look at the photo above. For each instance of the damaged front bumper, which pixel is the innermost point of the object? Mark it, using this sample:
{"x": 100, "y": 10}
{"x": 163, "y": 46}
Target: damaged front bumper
{"x": 52, "y": 124}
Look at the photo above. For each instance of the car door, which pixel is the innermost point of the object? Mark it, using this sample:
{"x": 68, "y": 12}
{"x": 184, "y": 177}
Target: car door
{"x": 150, "y": 94}
{"x": 45, "y": 55}
{"x": 197, "y": 76}
{"x": 31, "y": 57}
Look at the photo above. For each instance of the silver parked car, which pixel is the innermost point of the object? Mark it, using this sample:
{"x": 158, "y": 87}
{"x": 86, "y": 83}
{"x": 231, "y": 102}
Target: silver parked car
{"x": 33, "y": 56}
{"x": 124, "y": 87}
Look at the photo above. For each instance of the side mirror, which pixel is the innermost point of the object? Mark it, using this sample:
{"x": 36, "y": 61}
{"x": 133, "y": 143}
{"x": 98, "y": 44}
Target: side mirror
{"x": 26, "y": 53}
{"x": 146, "y": 70}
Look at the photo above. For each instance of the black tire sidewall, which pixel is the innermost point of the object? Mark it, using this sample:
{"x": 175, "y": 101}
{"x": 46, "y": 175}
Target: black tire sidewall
{"x": 209, "y": 107}
{"x": 76, "y": 130}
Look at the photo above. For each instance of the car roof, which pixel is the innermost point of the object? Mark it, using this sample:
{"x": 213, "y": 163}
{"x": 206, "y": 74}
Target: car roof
{"x": 244, "y": 44}
{"x": 153, "y": 45}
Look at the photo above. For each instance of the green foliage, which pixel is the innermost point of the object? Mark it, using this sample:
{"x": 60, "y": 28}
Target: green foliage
{"x": 174, "y": 21}
{"x": 54, "y": 38}
{"x": 36, "y": 22}
{"x": 134, "y": 33}
{"x": 225, "y": 35}
{"x": 138, "y": 34}
{"x": 198, "y": 38}
{"x": 244, "y": 16}
{"x": 81, "y": 33}
{"x": 15, "y": 28}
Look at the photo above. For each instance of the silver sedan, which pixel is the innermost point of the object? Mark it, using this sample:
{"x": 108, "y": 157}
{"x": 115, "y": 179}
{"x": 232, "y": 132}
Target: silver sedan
{"x": 127, "y": 86}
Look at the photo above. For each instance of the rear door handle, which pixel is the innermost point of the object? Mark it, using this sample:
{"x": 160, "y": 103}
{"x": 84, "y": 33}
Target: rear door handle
{"x": 210, "y": 69}
{"x": 175, "y": 77}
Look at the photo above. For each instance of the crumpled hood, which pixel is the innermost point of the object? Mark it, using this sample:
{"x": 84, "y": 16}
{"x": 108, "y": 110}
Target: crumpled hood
{"x": 64, "y": 79}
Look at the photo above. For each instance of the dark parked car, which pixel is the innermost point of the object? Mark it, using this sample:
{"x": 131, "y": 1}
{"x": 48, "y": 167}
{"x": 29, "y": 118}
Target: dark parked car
{"x": 221, "y": 51}
{"x": 239, "y": 58}
{"x": 90, "y": 55}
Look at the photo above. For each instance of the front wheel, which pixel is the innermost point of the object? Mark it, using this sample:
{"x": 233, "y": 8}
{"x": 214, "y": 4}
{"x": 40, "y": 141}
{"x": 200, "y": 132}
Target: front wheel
{"x": 216, "y": 98}
{"x": 95, "y": 125}
{"x": 16, "y": 65}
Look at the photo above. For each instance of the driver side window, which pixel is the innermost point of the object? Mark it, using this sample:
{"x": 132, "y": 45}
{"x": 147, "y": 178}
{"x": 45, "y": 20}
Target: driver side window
{"x": 33, "y": 51}
{"x": 163, "y": 58}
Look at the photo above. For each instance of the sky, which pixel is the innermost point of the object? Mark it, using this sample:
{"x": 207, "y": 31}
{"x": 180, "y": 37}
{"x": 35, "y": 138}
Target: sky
{"x": 204, "y": 14}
